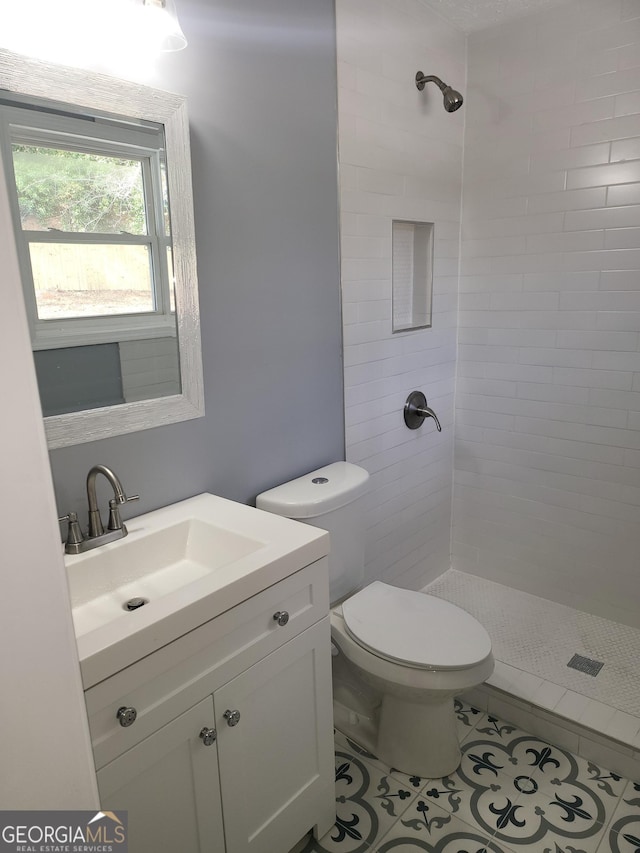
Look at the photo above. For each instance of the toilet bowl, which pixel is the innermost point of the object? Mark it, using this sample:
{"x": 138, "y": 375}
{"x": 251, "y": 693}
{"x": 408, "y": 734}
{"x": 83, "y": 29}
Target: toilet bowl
{"x": 416, "y": 652}
{"x": 400, "y": 656}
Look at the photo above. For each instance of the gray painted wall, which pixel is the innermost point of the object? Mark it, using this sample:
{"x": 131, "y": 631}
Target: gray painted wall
{"x": 260, "y": 80}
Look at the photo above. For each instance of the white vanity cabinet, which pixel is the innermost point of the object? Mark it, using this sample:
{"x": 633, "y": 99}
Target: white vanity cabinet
{"x": 259, "y": 675}
{"x": 170, "y": 786}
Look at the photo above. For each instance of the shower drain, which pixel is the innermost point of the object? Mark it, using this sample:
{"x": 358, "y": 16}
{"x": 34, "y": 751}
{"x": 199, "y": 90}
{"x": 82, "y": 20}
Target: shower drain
{"x": 587, "y": 665}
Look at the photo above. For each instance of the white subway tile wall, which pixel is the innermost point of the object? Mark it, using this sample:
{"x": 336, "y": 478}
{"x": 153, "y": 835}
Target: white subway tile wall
{"x": 547, "y": 455}
{"x": 400, "y": 158}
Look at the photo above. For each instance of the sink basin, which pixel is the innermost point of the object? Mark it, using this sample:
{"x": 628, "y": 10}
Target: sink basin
{"x": 150, "y": 566}
{"x": 188, "y": 562}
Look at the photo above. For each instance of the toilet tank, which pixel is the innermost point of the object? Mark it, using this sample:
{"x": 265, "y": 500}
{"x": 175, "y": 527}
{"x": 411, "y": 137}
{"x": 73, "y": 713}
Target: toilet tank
{"x": 330, "y": 498}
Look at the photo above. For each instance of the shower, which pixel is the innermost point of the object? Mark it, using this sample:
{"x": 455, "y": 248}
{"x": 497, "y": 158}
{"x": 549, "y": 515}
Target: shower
{"x": 452, "y": 100}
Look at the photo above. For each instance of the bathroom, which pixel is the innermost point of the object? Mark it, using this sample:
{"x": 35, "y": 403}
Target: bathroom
{"x": 532, "y": 350}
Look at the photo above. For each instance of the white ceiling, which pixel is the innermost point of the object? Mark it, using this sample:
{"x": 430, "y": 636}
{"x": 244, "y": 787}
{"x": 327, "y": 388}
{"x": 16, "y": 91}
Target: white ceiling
{"x": 471, "y": 15}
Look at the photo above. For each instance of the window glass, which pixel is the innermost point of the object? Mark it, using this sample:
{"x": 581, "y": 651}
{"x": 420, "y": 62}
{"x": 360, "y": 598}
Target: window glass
{"x": 77, "y": 192}
{"x": 88, "y": 280}
{"x": 90, "y": 207}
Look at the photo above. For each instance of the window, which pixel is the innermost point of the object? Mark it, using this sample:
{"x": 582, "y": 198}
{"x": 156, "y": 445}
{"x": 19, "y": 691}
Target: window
{"x": 90, "y": 208}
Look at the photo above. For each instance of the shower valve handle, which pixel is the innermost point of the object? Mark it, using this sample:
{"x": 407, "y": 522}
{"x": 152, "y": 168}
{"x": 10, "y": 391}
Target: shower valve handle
{"x": 416, "y": 411}
{"x": 426, "y": 412}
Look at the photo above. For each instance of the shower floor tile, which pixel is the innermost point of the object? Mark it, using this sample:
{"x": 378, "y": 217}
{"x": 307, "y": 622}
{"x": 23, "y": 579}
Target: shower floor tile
{"x": 513, "y": 791}
{"x": 534, "y": 639}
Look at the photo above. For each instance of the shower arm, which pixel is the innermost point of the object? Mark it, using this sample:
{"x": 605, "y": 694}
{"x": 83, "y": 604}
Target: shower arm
{"x": 422, "y": 79}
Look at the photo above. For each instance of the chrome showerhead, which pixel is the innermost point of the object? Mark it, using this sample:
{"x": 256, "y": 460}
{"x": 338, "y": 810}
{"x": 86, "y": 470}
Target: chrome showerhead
{"x": 453, "y": 100}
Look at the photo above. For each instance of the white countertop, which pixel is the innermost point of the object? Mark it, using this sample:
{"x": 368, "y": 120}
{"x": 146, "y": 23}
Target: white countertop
{"x": 282, "y": 547}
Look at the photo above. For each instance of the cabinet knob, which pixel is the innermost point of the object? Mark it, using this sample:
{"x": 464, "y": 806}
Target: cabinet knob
{"x": 126, "y": 716}
{"x": 281, "y": 617}
{"x": 232, "y": 717}
{"x": 208, "y": 736}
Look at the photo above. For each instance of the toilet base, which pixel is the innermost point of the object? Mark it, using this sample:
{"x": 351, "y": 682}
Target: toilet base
{"x": 419, "y": 739}
{"x": 404, "y": 715}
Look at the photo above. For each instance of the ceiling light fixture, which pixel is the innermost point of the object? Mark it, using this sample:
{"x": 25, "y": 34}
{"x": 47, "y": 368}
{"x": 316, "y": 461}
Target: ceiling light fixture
{"x": 162, "y": 19}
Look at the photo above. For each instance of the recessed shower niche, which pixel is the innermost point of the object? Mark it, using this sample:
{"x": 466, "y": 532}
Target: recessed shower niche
{"x": 412, "y": 274}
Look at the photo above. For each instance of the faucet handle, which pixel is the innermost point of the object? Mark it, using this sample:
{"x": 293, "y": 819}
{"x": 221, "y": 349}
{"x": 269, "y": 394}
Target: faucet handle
{"x": 74, "y": 534}
{"x": 115, "y": 520}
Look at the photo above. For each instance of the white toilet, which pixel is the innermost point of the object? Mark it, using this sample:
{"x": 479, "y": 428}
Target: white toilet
{"x": 401, "y": 655}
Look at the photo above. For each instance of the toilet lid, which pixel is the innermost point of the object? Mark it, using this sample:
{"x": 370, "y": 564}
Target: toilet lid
{"x": 414, "y": 628}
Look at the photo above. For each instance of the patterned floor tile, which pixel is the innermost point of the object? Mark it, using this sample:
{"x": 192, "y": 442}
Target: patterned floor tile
{"x": 568, "y": 778}
{"x": 467, "y": 718}
{"x": 542, "y": 824}
{"x": 506, "y": 744}
{"x": 373, "y": 761}
{"x": 424, "y": 826}
{"x": 623, "y": 835}
{"x": 626, "y": 841}
{"x": 512, "y": 792}
{"x": 495, "y": 761}
{"x": 350, "y": 745}
{"x": 367, "y": 804}
{"x": 525, "y": 794}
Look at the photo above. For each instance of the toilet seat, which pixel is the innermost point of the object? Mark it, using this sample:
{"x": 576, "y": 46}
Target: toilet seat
{"x": 414, "y": 629}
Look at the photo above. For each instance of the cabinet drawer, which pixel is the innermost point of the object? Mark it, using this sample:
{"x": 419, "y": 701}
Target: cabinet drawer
{"x": 180, "y": 674}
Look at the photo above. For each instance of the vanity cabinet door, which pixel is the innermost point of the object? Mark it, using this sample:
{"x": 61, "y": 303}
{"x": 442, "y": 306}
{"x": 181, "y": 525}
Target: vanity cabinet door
{"x": 170, "y": 787}
{"x": 275, "y": 746}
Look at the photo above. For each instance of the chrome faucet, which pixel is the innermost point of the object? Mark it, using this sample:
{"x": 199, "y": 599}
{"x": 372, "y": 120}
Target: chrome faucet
{"x": 95, "y": 521}
{"x": 76, "y": 543}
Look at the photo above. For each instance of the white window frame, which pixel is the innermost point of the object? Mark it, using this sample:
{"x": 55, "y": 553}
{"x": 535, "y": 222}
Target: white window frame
{"x": 143, "y": 144}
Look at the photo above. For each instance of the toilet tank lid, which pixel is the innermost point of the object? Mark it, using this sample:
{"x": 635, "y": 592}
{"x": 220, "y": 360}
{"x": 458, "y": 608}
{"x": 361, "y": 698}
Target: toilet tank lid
{"x": 316, "y": 493}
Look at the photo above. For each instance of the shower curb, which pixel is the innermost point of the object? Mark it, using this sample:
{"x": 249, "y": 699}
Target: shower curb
{"x": 588, "y": 742}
